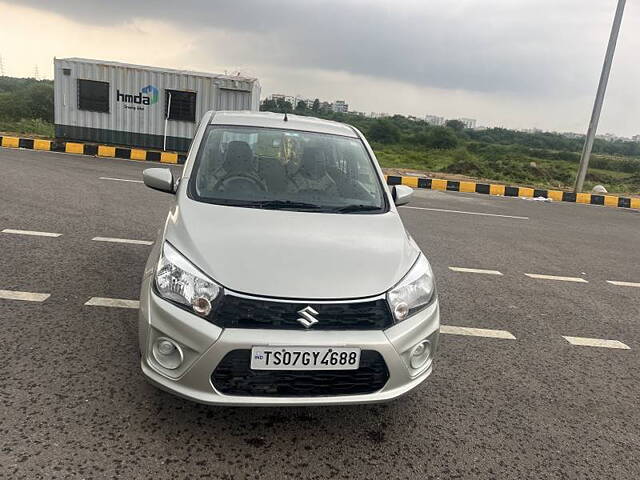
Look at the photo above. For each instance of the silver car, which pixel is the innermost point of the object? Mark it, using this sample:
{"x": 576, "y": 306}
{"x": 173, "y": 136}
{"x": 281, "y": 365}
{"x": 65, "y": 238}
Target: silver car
{"x": 283, "y": 274}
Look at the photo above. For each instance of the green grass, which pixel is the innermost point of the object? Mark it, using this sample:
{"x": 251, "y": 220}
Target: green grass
{"x": 31, "y": 126}
{"x": 506, "y": 165}
{"x": 399, "y": 156}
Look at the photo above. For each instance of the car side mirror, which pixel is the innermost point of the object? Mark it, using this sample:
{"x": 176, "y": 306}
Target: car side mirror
{"x": 401, "y": 194}
{"x": 159, "y": 179}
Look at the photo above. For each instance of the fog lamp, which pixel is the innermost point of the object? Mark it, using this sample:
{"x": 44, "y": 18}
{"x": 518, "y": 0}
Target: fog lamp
{"x": 420, "y": 354}
{"x": 167, "y": 353}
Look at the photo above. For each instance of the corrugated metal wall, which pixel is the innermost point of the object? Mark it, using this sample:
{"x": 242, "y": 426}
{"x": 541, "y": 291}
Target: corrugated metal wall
{"x": 233, "y": 100}
{"x": 212, "y": 93}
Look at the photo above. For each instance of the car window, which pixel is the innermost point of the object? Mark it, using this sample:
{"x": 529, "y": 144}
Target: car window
{"x": 286, "y": 169}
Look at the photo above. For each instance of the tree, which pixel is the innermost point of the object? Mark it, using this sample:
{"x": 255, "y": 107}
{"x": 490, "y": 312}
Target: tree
{"x": 301, "y": 108}
{"x": 316, "y": 105}
{"x": 268, "y": 105}
{"x": 456, "y": 125}
{"x": 325, "y": 108}
{"x": 283, "y": 106}
{"x": 384, "y": 131}
{"x": 443, "y": 138}
{"x": 22, "y": 98}
{"x": 38, "y": 101}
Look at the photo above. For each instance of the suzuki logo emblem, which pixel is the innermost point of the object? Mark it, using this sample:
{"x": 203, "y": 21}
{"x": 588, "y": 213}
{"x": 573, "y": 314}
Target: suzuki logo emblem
{"x": 307, "y": 317}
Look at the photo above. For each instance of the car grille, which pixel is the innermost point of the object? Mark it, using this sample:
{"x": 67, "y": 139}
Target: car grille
{"x": 240, "y": 312}
{"x": 233, "y": 376}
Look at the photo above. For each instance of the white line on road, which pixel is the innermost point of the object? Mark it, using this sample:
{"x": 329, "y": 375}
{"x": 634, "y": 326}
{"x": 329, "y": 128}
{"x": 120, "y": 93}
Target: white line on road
{"x": 476, "y": 332}
{"x": 30, "y": 232}
{"x": 623, "y": 284}
{"x": 475, "y": 270}
{"x": 26, "y": 296}
{"x": 112, "y": 302}
{"x": 121, "y": 179}
{"x": 596, "y": 342}
{"x": 122, "y": 240}
{"x": 554, "y": 277}
{"x": 467, "y": 213}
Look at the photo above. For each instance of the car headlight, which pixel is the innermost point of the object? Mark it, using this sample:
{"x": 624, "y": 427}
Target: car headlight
{"x": 179, "y": 280}
{"x": 414, "y": 292}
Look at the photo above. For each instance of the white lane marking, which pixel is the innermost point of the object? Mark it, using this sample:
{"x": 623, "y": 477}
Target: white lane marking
{"x": 554, "y": 277}
{"x": 623, "y": 284}
{"x": 475, "y": 270}
{"x": 596, "y": 342}
{"x": 26, "y": 296}
{"x": 467, "y": 213}
{"x": 122, "y": 240}
{"x": 122, "y": 179}
{"x": 112, "y": 302}
{"x": 476, "y": 332}
{"x": 30, "y": 232}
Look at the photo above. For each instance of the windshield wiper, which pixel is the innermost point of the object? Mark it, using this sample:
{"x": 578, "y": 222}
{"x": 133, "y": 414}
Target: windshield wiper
{"x": 356, "y": 208}
{"x": 286, "y": 204}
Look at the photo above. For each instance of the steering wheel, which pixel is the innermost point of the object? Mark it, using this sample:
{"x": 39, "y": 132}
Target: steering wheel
{"x": 240, "y": 182}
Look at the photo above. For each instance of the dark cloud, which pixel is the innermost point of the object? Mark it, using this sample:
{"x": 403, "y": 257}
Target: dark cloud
{"x": 513, "y": 47}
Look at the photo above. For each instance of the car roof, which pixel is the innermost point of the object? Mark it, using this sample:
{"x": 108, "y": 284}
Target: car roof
{"x": 276, "y": 120}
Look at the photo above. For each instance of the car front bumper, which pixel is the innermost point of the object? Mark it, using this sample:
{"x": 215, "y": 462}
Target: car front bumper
{"x": 204, "y": 345}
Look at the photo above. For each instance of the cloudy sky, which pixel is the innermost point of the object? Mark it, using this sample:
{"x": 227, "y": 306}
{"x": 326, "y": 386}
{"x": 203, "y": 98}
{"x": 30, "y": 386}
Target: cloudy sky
{"x": 513, "y": 63}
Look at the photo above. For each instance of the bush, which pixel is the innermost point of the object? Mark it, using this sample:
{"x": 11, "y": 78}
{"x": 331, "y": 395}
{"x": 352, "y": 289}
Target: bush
{"x": 441, "y": 138}
{"x": 26, "y": 98}
{"x": 470, "y": 167}
{"x": 630, "y": 166}
{"x": 384, "y": 131}
{"x": 29, "y": 126}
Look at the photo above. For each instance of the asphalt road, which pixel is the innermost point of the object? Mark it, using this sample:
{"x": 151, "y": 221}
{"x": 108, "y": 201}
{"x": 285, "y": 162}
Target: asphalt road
{"x": 73, "y": 403}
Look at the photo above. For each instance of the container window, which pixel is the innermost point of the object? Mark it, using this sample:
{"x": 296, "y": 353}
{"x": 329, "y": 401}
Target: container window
{"x": 182, "y": 105}
{"x": 93, "y": 96}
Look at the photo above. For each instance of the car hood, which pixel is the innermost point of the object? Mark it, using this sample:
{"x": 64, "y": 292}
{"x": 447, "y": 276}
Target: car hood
{"x": 287, "y": 254}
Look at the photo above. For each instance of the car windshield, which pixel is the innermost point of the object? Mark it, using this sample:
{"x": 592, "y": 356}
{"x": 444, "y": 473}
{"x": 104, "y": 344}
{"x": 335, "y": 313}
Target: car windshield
{"x": 286, "y": 169}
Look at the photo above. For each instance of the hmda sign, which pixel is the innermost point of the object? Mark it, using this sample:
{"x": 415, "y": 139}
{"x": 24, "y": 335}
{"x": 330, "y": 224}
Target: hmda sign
{"x": 146, "y": 96}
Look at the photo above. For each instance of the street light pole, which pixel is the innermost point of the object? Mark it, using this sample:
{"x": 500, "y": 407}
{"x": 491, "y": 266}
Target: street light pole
{"x": 166, "y": 121}
{"x": 597, "y": 106}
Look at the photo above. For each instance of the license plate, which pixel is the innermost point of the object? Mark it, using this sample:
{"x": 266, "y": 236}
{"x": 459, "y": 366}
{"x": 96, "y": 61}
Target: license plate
{"x": 305, "y": 358}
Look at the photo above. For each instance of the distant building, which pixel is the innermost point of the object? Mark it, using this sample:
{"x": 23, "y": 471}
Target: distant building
{"x": 434, "y": 120}
{"x": 379, "y": 115}
{"x": 308, "y": 102}
{"x": 337, "y": 106}
{"x": 609, "y": 137}
{"x": 572, "y": 134}
{"x": 636, "y": 138}
{"x": 468, "y": 122}
{"x": 340, "y": 106}
{"x": 279, "y": 96}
